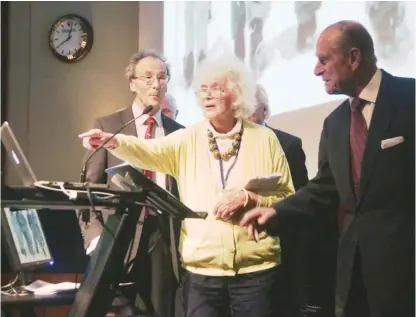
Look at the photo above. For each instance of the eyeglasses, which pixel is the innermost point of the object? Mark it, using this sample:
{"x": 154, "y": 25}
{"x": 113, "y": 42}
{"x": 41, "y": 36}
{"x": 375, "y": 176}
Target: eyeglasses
{"x": 149, "y": 79}
{"x": 216, "y": 91}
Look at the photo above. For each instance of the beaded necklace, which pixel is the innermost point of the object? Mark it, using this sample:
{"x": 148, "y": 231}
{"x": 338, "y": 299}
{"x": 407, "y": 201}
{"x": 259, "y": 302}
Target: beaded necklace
{"x": 233, "y": 151}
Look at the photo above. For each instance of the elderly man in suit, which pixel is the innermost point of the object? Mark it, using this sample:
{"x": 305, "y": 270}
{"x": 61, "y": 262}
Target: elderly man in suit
{"x": 292, "y": 145}
{"x": 366, "y": 165}
{"x": 293, "y": 254}
{"x": 309, "y": 259}
{"x": 153, "y": 269}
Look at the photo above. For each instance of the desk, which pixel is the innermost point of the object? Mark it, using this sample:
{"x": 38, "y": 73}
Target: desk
{"x": 26, "y": 304}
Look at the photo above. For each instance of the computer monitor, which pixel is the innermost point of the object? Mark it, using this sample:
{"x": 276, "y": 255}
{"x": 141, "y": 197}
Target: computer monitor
{"x": 15, "y": 152}
{"x": 24, "y": 239}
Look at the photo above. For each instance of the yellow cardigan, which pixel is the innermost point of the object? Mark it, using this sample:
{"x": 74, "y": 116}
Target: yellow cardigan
{"x": 211, "y": 246}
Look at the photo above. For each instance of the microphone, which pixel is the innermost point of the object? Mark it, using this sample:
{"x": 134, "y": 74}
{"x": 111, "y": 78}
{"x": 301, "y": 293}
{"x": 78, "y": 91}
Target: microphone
{"x": 84, "y": 168}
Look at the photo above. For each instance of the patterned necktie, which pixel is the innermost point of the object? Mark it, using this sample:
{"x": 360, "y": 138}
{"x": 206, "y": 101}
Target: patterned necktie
{"x": 150, "y": 122}
{"x": 149, "y": 135}
{"x": 358, "y": 138}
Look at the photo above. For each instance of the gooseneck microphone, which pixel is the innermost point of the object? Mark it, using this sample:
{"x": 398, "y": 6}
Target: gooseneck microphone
{"x": 84, "y": 168}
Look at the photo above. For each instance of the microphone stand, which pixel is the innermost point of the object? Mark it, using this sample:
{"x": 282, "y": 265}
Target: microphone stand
{"x": 86, "y": 214}
{"x": 84, "y": 168}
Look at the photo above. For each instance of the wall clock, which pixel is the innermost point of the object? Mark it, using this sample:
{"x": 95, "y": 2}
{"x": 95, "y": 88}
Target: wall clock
{"x": 71, "y": 38}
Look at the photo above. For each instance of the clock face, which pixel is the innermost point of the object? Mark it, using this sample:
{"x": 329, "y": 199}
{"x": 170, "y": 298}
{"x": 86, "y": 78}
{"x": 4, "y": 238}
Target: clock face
{"x": 70, "y": 38}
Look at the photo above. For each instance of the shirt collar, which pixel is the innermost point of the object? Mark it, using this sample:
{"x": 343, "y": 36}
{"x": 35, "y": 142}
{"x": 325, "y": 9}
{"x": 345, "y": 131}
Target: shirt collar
{"x": 370, "y": 92}
{"x": 228, "y": 135}
{"x": 137, "y": 110}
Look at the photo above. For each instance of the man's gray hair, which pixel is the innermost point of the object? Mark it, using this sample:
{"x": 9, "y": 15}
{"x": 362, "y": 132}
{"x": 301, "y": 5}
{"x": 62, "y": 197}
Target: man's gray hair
{"x": 172, "y": 102}
{"x": 137, "y": 57}
{"x": 239, "y": 78}
{"x": 262, "y": 98}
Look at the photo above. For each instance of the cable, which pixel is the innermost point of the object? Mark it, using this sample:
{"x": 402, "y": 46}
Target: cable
{"x": 72, "y": 195}
{"x": 11, "y": 283}
{"x": 14, "y": 291}
{"x": 98, "y": 214}
{"x": 70, "y": 192}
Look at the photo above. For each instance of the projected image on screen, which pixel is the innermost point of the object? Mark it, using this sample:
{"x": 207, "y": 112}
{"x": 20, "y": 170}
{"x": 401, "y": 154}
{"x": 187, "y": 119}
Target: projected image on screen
{"x": 28, "y": 236}
{"x": 277, "y": 40}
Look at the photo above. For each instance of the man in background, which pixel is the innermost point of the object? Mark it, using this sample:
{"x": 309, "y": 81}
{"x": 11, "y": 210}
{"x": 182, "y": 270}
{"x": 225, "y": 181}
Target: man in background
{"x": 292, "y": 145}
{"x": 153, "y": 270}
{"x": 169, "y": 107}
{"x": 292, "y": 265}
{"x": 309, "y": 275}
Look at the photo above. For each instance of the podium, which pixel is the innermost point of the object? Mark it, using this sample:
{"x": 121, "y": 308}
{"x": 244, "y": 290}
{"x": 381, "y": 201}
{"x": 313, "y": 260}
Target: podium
{"x": 96, "y": 293}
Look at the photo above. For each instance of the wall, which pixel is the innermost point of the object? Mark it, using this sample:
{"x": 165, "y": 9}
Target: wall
{"x": 151, "y": 25}
{"x": 50, "y": 102}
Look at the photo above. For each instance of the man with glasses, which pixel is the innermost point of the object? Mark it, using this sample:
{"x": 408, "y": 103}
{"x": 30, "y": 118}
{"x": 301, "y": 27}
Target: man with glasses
{"x": 153, "y": 271}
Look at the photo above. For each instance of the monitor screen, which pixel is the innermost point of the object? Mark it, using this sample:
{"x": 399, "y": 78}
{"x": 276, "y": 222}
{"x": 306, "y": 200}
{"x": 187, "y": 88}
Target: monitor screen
{"x": 25, "y": 240}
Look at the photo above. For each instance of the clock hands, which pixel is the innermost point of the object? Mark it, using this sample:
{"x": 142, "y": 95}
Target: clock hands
{"x": 70, "y": 30}
{"x": 64, "y": 41}
{"x": 67, "y": 39}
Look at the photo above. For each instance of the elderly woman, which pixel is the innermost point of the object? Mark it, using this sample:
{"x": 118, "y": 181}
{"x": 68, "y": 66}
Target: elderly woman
{"x": 212, "y": 161}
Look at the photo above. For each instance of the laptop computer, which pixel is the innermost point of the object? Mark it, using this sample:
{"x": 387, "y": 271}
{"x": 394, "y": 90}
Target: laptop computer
{"x": 15, "y": 152}
{"x": 23, "y": 168}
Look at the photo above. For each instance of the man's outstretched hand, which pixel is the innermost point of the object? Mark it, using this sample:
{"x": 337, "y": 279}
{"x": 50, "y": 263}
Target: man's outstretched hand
{"x": 258, "y": 217}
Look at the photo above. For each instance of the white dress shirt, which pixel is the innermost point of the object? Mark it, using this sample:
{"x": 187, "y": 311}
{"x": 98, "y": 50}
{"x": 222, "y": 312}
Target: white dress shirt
{"x": 369, "y": 94}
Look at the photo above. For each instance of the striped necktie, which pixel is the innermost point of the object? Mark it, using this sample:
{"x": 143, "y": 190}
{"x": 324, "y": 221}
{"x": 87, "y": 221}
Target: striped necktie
{"x": 149, "y": 135}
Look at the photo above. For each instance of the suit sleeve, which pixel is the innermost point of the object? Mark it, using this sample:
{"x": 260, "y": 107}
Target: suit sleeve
{"x": 297, "y": 163}
{"x": 284, "y": 184}
{"x": 319, "y": 195}
{"x": 95, "y": 174}
{"x": 98, "y": 163}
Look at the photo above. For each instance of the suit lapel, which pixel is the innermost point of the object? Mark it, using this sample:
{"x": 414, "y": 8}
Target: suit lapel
{"x": 167, "y": 125}
{"x": 380, "y": 122}
{"x": 342, "y": 148}
{"x": 125, "y": 116}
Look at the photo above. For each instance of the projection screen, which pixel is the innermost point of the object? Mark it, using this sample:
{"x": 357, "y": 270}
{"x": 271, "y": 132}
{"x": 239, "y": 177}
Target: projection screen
{"x": 277, "y": 41}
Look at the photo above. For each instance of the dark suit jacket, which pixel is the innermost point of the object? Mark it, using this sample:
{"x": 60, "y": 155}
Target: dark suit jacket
{"x": 294, "y": 252}
{"x": 292, "y": 146}
{"x": 380, "y": 221}
{"x": 162, "y": 283}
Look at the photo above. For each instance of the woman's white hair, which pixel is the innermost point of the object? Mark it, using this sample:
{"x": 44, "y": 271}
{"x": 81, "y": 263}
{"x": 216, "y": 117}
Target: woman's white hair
{"x": 239, "y": 80}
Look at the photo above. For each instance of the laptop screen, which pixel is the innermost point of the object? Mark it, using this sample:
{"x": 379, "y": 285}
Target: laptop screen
{"x": 18, "y": 158}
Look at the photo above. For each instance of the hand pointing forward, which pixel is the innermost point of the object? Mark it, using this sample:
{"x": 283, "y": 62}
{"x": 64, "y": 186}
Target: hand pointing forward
{"x": 94, "y": 138}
